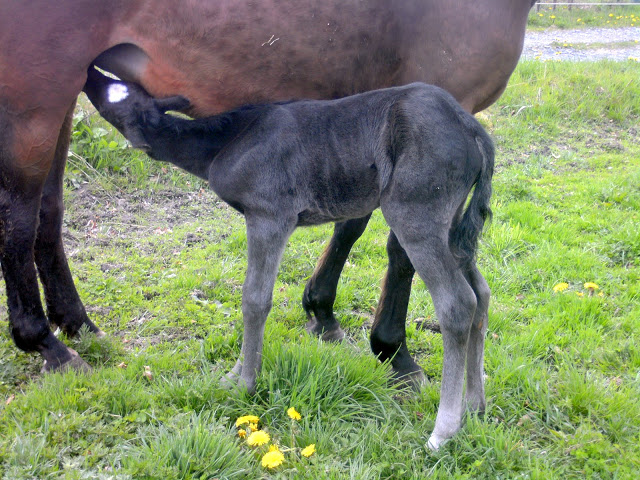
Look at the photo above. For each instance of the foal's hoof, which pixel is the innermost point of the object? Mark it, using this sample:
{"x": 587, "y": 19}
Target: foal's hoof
{"x": 434, "y": 443}
{"x": 333, "y": 335}
{"x": 75, "y": 362}
{"x": 231, "y": 381}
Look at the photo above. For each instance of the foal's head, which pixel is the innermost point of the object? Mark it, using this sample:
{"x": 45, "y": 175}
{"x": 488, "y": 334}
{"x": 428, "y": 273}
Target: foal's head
{"x": 128, "y": 106}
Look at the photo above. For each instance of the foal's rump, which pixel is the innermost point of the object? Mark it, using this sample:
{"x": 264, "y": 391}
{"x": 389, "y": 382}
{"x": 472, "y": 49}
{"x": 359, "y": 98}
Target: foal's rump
{"x": 438, "y": 153}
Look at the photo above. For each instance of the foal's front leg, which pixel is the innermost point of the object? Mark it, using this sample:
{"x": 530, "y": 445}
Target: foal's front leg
{"x": 266, "y": 239}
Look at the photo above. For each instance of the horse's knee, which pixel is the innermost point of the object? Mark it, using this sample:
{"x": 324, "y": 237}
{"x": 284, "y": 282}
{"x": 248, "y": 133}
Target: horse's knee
{"x": 256, "y": 306}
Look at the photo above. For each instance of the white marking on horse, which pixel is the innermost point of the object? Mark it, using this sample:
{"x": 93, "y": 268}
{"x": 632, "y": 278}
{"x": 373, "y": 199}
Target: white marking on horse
{"x": 271, "y": 41}
{"x": 117, "y": 92}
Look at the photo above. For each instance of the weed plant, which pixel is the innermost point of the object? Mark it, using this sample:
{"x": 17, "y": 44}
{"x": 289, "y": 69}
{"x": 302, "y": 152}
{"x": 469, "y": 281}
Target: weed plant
{"x": 159, "y": 262}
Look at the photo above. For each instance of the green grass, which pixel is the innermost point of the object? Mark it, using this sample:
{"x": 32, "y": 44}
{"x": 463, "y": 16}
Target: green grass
{"x": 594, "y": 45}
{"x": 545, "y": 16}
{"x": 159, "y": 262}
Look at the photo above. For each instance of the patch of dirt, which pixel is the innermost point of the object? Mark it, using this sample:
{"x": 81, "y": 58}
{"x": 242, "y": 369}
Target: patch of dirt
{"x": 97, "y": 217}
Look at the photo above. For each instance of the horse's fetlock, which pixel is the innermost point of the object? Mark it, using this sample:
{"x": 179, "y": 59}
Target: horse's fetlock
{"x": 29, "y": 336}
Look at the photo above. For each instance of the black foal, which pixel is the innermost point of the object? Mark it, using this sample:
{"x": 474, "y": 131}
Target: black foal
{"x": 412, "y": 151}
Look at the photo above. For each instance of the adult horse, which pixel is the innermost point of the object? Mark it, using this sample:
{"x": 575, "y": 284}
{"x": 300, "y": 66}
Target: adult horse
{"x": 219, "y": 55}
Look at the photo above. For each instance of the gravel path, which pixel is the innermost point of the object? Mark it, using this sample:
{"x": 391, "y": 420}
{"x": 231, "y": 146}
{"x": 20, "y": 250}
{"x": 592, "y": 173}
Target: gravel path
{"x": 570, "y": 44}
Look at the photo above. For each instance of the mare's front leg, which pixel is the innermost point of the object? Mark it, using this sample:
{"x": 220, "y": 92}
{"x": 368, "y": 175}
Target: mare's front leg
{"x": 26, "y": 155}
{"x": 266, "y": 239}
{"x": 320, "y": 292}
{"x": 388, "y": 334}
{"x": 64, "y": 307}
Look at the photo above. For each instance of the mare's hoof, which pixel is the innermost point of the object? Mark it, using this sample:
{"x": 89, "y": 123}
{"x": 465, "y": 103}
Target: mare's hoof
{"x": 73, "y": 332}
{"x": 333, "y": 335}
{"x": 74, "y": 363}
{"x": 93, "y": 328}
{"x": 415, "y": 380}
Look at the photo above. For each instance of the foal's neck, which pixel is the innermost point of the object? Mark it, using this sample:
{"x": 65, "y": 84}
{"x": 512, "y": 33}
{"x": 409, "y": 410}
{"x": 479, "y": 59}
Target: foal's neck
{"x": 193, "y": 144}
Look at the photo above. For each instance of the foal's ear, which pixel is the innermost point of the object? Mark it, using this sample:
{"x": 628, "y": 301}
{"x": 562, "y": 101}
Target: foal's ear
{"x": 176, "y": 103}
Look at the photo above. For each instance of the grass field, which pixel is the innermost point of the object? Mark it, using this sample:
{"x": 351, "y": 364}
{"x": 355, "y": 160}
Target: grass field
{"x": 543, "y": 17}
{"x": 159, "y": 262}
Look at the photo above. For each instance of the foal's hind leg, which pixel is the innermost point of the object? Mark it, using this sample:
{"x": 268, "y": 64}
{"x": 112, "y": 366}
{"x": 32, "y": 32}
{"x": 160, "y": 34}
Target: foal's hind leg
{"x": 455, "y": 305}
{"x": 64, "y": 307}
{"x": 424, "y": 237}
{"x": 475, "y": 352}
{"x": 388, "y": 334}
{"x": 320, "y": 292}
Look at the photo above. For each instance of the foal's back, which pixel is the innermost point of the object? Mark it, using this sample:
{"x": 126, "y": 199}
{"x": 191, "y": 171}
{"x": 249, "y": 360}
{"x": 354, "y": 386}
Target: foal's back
{"x": 332, "y": 160}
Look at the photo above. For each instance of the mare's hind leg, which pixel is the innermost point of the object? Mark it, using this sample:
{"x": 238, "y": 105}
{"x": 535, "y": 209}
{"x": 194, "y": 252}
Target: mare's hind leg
{"x": 320, "y": 292}
{"x": 388, "y": 334}
{"x": 25, "y": 159}
{"x": 266, "y": 240}
{"x": 475, "y": 398}
{"x": 64, "y": 307}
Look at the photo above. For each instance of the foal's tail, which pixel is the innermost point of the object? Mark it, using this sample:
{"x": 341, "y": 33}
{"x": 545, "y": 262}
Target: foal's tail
{"x": 464, "y": 236}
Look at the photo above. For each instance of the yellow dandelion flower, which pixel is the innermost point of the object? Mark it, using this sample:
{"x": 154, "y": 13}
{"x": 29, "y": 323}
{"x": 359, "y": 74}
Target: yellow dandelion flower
{"x": 274, "y": 448}
{"x": 272, "y": 458}
{"x": 560, "y": 287}
{"x": 591, "y": 286}
{"x": 253, "y": 427}
{"x": 293, "y": 414}
{"x": 552, "y": 16}
{"x": 541, "y": 14}
{"x": 611, "y": 14}
{"x": 242, "y": 433}
{"x": 309, "y": 450}
{"x": 579, "y": 20}
{"x": 247, "y": 419}
{"x": 258, "y": 438}
{"x": 580, "y": 294}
